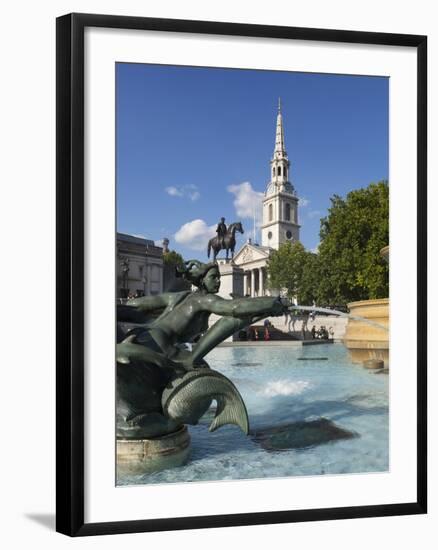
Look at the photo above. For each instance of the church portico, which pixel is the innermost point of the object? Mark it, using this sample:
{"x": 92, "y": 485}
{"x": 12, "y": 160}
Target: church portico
{"x": 254, "y": 282}
{"x": 252, "y": 260}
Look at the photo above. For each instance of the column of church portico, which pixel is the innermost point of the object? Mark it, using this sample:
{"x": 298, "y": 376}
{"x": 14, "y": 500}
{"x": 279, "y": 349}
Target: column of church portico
{"x": 261, "y": 282}
{"x": 252, "y": 283}
{"x": 265, "y": 282}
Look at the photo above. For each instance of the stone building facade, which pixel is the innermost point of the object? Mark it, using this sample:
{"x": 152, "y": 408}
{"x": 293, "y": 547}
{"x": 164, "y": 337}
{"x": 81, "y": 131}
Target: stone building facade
{"x": 139, "y": 267}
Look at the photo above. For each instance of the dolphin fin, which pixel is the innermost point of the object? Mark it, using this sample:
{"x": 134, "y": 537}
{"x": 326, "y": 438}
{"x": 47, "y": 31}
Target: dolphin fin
{"x": 130, "y": 339}
{"x": 231, "y": 411}
{"x": 188, "y": 397}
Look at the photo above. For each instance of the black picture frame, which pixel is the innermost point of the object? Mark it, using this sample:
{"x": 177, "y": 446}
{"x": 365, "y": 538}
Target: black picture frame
{"x": 70, "y": 273}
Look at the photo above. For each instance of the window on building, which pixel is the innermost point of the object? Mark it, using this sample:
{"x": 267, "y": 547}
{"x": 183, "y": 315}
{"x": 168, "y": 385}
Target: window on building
{"x": 287, "y": 211}
{"x": 270, "y": 213}
{"x": 273, "y": 170}
{"x": 279, "y": 171}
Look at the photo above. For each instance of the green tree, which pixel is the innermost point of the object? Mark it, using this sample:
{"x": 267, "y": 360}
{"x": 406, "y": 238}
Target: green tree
{"x": 173, "y": 259}
{"x": 291, "y": 267}
{"x": 352, "y": 234}
{"x": 172, "y": 283}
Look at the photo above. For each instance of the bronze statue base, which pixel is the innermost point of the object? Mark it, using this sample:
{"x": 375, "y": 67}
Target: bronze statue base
{"x": 143, "y": 456}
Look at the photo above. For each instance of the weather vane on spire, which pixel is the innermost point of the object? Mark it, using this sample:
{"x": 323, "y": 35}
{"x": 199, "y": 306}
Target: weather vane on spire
{"x": 279, "y": 104}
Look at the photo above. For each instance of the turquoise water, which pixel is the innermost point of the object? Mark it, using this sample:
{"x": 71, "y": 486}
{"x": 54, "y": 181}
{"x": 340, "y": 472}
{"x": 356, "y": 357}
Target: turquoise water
{"x": 280, "y": 389}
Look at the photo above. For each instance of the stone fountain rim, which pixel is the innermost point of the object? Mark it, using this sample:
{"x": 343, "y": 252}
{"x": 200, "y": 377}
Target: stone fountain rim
{"x": 384, "y": 252}
{"x": 376, "y": 301}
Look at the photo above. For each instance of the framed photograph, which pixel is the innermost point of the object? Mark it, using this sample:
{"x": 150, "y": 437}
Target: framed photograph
{"x": 241, "y": 274}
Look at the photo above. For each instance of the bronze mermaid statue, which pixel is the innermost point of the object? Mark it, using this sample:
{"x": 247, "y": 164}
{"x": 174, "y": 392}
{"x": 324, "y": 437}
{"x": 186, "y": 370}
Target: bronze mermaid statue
{"x": 163, "y": 381}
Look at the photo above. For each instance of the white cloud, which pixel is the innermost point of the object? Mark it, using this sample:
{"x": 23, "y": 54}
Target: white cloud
{"x": 189, "y": 191}
{"x": 194, "y": 196}
{"x": 303, "y": 202}
{"x": 195, "y": 234}
{"x": 173, "y": 191}
{"x": 247, "y": 201}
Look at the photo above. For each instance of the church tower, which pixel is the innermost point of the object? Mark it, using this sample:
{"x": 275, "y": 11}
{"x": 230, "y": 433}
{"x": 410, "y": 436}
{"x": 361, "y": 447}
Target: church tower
{"x": 280, "y": 204}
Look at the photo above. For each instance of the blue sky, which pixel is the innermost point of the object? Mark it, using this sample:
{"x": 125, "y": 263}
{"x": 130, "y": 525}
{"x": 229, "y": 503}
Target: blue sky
{"x": 194, "y": 144}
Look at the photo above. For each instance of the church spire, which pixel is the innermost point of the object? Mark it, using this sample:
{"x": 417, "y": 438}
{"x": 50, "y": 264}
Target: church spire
{"x": 280, "y": 150}
{"x": 279, "y": 162}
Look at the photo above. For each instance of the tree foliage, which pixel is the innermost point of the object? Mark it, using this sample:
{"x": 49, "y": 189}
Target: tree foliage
{"x": 291, "y": 267}
{"x": 173, "y": 259}
{"x": 348, "y": 265}
{"x": 351, "y": 237}
{"x": 172, "y": 283}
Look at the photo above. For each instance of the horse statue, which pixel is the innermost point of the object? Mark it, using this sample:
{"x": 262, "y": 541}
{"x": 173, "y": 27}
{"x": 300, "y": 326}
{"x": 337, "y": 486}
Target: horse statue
{"x": 229, "y": 241}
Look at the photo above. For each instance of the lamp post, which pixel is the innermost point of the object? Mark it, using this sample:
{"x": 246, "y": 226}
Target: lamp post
{"x": 124, "y": 264}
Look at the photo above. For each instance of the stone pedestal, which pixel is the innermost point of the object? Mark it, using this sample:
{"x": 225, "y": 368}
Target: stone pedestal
{"x": 231, "y": 286}
{"x": 231, "y": 280}
{"x": 141, "y": 456}
{"x": 365, "y": 341}
{"x": 373, "y": 364}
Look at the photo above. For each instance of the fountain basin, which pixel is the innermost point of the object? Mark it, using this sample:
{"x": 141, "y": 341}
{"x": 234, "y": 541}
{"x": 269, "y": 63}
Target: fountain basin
{"x": 365, "y": 341}
{"x": 297, "y": 410}
{"x": 141, "y": 456}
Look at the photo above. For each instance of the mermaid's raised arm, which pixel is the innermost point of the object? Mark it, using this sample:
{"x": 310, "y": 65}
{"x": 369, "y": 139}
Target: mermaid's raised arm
{"x": 236, "y": 315}
{"x": 244, "y": 307}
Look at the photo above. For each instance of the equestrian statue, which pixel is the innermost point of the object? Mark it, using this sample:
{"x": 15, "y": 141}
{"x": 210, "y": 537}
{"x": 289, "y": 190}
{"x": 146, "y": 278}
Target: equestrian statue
{"x": 225, "y": 240}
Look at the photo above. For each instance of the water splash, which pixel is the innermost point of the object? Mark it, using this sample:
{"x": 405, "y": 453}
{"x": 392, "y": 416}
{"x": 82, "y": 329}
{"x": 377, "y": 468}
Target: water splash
{"x": 284, "y": 387}
{"x": 340, "y": 314}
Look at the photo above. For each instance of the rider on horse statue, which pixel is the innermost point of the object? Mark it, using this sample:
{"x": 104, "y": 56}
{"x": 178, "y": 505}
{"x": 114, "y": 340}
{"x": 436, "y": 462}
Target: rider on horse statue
{"x": 221, "y": 231}
{"x": 225, "y": 240}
